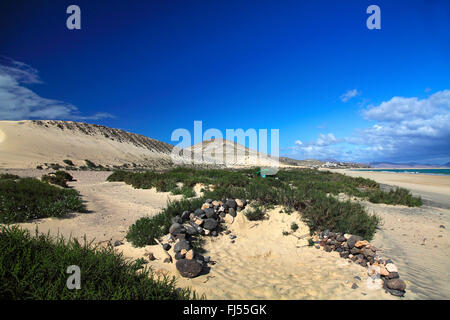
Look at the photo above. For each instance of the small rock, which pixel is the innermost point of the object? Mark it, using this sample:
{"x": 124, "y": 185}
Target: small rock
{"x": 396, "y": 293}
{"x": 232, "y": 212}
{"x": 352, "y": 241}
{"x": 232, "y": 236}
{"x": 239, "y": 203}
{"x": 355, "y": 250}
{"x": 383, "y": 271}
{"x": 231, "y": 203}
{"x": 151, "y": 256}
{"x": 188, "y": 268}
{"x": 210, "y": 212}
{"x": 442, "y": 226}
{"x": 190, "y": 254}
{"x": 396, "y": 284}
{"x": 357, "y": 278}
{"x": 177, "y": 219}
{"x": 207, "y": 232}
{"x": 181, "y": 245}
{"x": 347, "y": 236}
{"x": 185, "y": 215}
{"x": 118, "y": 243}
{"x": 167, "y": 246}
{"x": 327, "y": 248}
{"x": 179, "y": 256}
{"x": 176, "y": 228}
{"x": 167, "y": 260}
{"x": 391, "y": 267}
{"x": 208, "y": 201}
{"x": 360, "y": 244}
{"x": 354, "y": 286}
{"x": 183, "y": 251}
{"x": 205, "y": 206}
{"x": 199, "y": 221}
{"x": 198, "y": 212}
{"x": 207, "y": 259}
{"x": 214, "y": 233}
{"x": 210, "y": 224}
{"x": 393, "y": 275}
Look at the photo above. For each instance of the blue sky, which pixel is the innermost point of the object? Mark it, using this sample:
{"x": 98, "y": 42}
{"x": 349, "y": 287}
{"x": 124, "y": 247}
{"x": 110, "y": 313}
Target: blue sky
{"x": 311, "y": 69}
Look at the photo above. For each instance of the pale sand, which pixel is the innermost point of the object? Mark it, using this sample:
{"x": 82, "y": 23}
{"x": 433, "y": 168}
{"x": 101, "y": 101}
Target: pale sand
{"x": 262, "y": 263}
{"x": 412, "y": 237}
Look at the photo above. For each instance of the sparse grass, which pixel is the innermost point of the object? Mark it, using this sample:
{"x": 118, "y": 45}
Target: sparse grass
{"x": 29, "y": 198}
{"x": 294, "y": 226}
{"x": 302, "y": 190}
{"x": 396, "y": 196}
{"x": 146, "y": 229}
{"x": 34, "y": 267}
{"x": 68, "y": 162}
{"x": 255, "y": 213}
{"x": 5, "y": 176}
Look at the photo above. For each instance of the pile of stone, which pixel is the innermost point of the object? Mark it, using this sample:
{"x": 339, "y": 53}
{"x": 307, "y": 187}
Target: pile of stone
{"x": 360, "y": 251}
{"x": 205, "y": 221}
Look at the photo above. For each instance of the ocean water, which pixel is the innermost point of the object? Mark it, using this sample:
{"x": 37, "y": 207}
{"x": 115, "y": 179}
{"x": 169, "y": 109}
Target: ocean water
{"x": 421, "y": 171}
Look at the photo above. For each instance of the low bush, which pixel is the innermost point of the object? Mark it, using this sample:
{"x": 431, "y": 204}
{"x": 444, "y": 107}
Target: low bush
{"x": 69, "y": 162}
{"x": 396, "y": 196}
{"x": 5, "y": 176}
{"x": 29, "y": 198}
{"x": 34, "y": 267}
{"x": 256, "y": 213}
{"x": 144, "y": 231}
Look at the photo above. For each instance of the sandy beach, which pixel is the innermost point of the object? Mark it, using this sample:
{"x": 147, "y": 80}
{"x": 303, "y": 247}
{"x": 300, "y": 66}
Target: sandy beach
{"x": 263, "y": 263}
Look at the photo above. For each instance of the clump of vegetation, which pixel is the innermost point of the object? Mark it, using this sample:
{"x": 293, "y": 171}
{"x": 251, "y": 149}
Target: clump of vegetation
{"x": 55, "y": 166}
{"x": 294, "y": 226}
{"x": 59, "y": 178}
{"x": 29, "y": 198}
{"x": 302, "y": 190}
{"x": 5, "y": 176}
{"x": 285, "y": 233}
{"x": 255, "y": 213}
{"x": 310, "y": 242}
{"x": 34, "y": 267}
{"x": 396, "y": 196}
{"x": 144, "y": 231}
{"x": 90, "y": 164}
{"x": 39, "y": 167}
{"x": 69, "y": 162}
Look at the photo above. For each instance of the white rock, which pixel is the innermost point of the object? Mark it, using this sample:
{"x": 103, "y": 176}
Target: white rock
{"x": 391, "y": 267}
{"x": 347, "y": 236}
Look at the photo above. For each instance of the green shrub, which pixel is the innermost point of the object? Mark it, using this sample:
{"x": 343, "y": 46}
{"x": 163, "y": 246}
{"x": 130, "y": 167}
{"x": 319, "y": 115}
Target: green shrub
{"x": 68, "y": 162}
{"x": 255, "y": 213}
{"x": 57, "y": 180}
{"x": 310, "y": 242}
{"x": 146, "y": 229}
{"x": 395, "y": 196}
{"x": 64, "y": 175}
{"x": 5, "y": 176}
{"x": 294, "y": 226}
{"x": 29, "y": 198}
{"x": 90, "y": 164}
{"x": 34, "y": 267}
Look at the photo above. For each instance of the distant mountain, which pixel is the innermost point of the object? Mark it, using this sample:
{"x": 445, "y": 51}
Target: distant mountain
{"x": 406, "y": 165}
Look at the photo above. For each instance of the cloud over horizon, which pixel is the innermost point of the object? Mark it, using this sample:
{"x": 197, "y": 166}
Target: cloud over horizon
{"x": 17, "y": 102}
{"x": 405, "y": 129}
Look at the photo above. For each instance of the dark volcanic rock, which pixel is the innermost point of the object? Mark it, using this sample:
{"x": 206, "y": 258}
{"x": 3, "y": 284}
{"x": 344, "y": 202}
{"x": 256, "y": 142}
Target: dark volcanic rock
{"x": 210, "y": 224}
{"x": 396, "y": 284}
{"x": 368, "y": 253}
{"x": 179, "y": 256}
{"x": 176, "y": 228}
{"x": 167, "y": 246}
{"x": 177, "y": 219}
{"x": 210, "y": 212}
{"x": 340, "y": 238}
{"x": 232, "y": 212}
{"x": 182, "y": 245}
{"x": 327, "y": 248}
{"x": 355, "y": 251}
{"x": 185, "y": 215}
{"x": 396, "y": 293}
{"x": 344, "y": 254}
{"x": 190, "y": 229}
{"x": 231, "y": 203}
{"x": 188, "y": 268}
{"x": 198, "y": 212}
{"x": 208, "y": 201}
{"x": 393, "y": 275}
{"x": 352, "y": 241}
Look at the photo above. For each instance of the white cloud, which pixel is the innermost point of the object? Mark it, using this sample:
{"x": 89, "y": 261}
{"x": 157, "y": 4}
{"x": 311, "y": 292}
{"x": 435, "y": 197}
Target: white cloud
{"x": 349, "y": 94}
{"x": 17, "y": 102}
{"x": 406, "y": 129}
